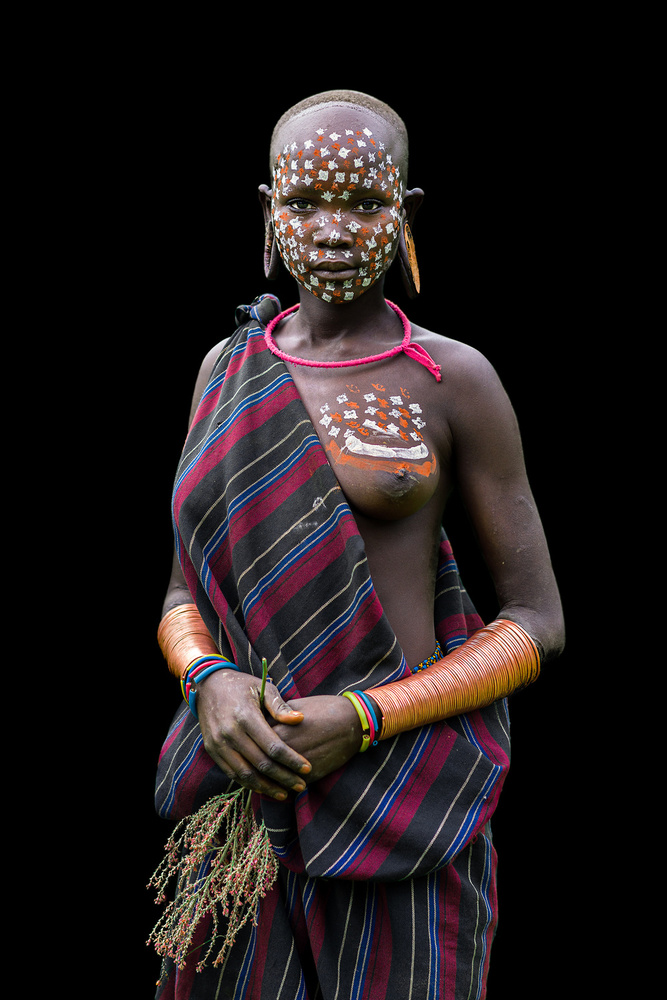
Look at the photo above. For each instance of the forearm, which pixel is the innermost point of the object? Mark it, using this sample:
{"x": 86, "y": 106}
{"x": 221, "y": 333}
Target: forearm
{"x": 545, "y": 626}
{"x": 495, "y": 662}
{"x": 178, "y": 591}
{"x": 184, "y": 638}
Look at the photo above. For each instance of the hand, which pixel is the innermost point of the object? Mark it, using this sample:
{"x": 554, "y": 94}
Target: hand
{"x": 329, "y": 735}
{"x": 242, "y": 741}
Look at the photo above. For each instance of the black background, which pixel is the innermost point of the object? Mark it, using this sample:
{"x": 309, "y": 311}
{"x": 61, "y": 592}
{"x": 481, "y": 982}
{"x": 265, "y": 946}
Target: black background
{"x": 173, "y": 146}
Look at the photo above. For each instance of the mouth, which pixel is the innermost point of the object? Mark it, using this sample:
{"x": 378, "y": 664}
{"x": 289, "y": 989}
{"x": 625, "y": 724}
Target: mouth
{"x": 333, "y": 272}
{"x": 333, "y": 267}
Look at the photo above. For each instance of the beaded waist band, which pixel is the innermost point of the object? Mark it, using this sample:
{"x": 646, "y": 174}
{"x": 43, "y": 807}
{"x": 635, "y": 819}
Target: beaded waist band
{"x": 429, "y": 660}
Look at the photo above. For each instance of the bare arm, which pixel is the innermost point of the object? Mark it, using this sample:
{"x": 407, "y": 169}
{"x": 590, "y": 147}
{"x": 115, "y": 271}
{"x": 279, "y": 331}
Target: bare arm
{"x": 177, "y": 588}
{"x": 490, "y": 472}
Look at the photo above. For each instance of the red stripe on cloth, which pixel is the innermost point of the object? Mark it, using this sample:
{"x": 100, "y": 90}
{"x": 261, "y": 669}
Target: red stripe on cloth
{"x": 450, "y": 902}
{"x": 376, "y": 982}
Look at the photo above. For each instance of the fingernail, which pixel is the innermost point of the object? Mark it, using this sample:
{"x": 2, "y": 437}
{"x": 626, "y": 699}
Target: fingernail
{"x": 280, "y": 795}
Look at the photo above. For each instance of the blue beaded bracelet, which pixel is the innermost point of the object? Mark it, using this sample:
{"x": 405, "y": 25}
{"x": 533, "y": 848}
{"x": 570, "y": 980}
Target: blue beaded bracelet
{"x": 196, "y": 672}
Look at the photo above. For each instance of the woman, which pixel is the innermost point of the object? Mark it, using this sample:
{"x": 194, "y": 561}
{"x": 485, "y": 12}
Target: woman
{"x": 325, "y": 441}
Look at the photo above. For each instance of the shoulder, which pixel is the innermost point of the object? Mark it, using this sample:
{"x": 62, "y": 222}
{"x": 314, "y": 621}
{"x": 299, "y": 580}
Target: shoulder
{"x": 204, "y": 375}
{"x": 261, "y": 310}
{"x": 473, "y": 400}
{"x": 462, "y": 366}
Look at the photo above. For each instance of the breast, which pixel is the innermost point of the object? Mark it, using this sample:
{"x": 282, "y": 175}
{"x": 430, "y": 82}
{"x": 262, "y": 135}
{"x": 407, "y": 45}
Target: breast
{"x": 375, "y": 437}
{"x": 383, "y": 478}
{"x": 383, "y": 471}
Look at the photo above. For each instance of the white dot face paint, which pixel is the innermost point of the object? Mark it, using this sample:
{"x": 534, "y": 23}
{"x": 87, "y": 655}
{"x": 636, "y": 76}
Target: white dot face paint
{"x": 337, "y": 198}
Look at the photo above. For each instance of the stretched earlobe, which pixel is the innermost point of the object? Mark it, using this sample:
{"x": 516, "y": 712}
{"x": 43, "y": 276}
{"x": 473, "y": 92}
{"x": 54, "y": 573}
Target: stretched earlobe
{"x": 406, "y": 244}
{"x": 408, "y": 260}
{"x": 272, "y": 262}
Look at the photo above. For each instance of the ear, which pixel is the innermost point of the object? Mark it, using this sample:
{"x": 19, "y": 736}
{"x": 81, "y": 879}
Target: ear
{"x": 272, "y": 261}
{"x": 411, "y": 203}
{"x": 406, "y": 247}
{"x": 264, "y": 193}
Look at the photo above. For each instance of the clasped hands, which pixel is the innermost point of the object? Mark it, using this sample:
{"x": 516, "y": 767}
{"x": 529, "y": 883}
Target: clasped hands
{"x": 276, "y": 748}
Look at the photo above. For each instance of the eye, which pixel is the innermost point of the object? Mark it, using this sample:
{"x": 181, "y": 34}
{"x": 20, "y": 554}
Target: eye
{"x": 300, "y": 205}
{"x": 369, "y": 205}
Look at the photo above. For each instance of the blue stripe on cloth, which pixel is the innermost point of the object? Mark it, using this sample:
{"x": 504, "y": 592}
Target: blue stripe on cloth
{"x": 382, "y": 807}
{"x": 216, "y": 382}
{"x": 178, "y": 774}
{"x": 261, "y": 396}
{"x": 485, "y": 891}
{"x": 338, "y": 625}
{"x": 433, "y": 924}
{"x": 370, "y": 917}
{"x": 239, "y": 503}
{"x": 473, "y": 812}
{"x": 327, "y": 528}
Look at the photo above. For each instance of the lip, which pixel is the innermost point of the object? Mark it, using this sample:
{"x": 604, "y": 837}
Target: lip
{"x": 333, "y": 270}
{"x": 333, "y": 266}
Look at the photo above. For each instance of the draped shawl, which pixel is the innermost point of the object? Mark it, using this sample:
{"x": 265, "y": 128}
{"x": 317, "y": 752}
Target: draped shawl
{"x": 386, "y": 886}
{"x": 276, "y": 565}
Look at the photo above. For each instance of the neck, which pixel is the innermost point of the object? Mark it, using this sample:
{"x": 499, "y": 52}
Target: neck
{"x": 369, "y": 316}
{"x": 287, "y": 352}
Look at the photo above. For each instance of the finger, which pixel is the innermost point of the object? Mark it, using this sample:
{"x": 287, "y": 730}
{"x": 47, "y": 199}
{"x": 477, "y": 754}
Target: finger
{"x": 275, "y": 755}
{"x": 279, "y": 709}
{"x": 248, "y": 777}
{"x": 232, "y": 721}
{"x": 260, "y": 758}
{"x": 256, "y": 771}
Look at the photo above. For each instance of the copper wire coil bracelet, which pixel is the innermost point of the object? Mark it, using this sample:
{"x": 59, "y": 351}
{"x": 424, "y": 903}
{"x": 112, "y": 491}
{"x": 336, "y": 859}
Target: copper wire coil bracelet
{"x": 189, "y": 650}
{"x": 184, "y": 638}
{"x": 496, "y": 661}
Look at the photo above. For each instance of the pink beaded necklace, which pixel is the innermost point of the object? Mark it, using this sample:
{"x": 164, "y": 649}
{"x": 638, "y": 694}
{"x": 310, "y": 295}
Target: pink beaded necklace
{"x": 406, "y": 346}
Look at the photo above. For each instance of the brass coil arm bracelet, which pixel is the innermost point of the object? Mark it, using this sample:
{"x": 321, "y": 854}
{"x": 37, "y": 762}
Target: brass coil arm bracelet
{"x": 189, "y": 650}
{"x": 184, "y": 638}
{"x": 497, "y": 660}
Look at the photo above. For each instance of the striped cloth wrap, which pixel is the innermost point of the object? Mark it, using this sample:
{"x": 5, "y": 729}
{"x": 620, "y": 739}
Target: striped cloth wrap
{"x": 276, "y": 565}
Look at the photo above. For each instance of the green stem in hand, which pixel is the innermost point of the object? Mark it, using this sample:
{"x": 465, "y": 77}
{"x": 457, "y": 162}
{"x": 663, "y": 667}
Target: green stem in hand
{"x": 265, "y": 672}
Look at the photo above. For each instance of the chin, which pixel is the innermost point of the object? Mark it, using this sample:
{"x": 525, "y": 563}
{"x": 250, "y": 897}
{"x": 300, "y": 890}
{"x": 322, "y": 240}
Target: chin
{"x": 336, "y": 296}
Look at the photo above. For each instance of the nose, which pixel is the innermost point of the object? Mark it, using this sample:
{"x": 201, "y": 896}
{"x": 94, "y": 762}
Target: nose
{"x": 330, "y": 231}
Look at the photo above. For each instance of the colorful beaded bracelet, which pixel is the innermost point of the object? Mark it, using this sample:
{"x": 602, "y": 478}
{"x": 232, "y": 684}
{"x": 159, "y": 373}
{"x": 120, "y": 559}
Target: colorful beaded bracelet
{"x": 370, "y": 711}
{"x": 196, "y": 672}
{"x": 365, "y": 717}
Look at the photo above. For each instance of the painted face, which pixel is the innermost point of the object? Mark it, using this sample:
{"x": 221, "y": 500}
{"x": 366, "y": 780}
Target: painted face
{"x": 337, "y": 197}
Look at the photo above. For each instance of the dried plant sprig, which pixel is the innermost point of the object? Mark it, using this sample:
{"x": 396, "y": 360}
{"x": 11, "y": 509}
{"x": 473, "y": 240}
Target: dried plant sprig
{"x": 223, "y": 864}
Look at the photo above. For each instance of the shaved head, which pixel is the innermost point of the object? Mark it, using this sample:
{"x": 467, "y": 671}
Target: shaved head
{"x": 339, "y": 162}
{"x": 339, "y": 99}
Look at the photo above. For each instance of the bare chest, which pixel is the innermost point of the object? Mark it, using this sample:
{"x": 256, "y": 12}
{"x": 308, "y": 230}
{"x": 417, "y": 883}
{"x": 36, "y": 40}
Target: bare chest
{"x": 379, "y": 427}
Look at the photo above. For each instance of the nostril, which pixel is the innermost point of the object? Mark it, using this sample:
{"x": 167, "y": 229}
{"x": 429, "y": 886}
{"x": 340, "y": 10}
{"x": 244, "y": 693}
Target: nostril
{"x": 332, "y": 234}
